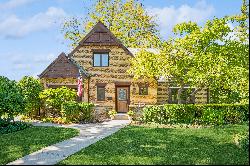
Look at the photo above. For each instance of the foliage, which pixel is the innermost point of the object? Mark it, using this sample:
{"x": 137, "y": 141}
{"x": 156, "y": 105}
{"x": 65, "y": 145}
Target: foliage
{"x": 11, "y": 99}
{"x": 53, "y": 98}
{"x": 58, "y": 120}
{"x": 214, "y": 56}
{"x": 131, "y": 113}
{"x": 127, "y": 20}
{"x": 31, "y": 89}
{"x": 137, "y": 145}
{"x": 77, "y": 112}
{"x": 112, "y": 113}
{"x": 10, "y": 127}
{"x": 19, "y": 144}
{"x": 215, "y": 114}
{"x": 242, "y": 140}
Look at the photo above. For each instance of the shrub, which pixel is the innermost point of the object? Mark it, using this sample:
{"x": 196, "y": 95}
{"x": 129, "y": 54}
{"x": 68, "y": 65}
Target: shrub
{"x": 9, "y": 127}
{"x": 131, "y": 113}
{"x": 216, "y": 114}
{"x": 112, "y": 113}
{"x": 53, "y": 98}
{"x": 11, "y": 99}
{"x": 242, "y": 140}
{"x": 76, "y": 112}
{"x": 31, "y": 88}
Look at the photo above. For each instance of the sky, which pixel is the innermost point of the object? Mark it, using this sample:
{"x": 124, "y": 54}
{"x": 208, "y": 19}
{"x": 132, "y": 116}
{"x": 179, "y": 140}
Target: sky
{"x": 31, "y": 37}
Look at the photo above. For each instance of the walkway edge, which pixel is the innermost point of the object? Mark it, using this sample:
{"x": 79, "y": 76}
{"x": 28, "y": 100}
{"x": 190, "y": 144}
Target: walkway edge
{"x": 89, "y": 134}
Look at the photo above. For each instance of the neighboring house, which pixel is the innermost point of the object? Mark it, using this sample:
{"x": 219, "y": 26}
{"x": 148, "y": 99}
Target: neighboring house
{"x": 102, "y": 61}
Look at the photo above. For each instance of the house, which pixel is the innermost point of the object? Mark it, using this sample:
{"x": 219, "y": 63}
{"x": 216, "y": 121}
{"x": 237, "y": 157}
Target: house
{"x": 102, "y": 61}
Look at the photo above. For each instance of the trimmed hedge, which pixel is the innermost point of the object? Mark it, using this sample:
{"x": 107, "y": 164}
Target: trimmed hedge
{"x": 216, "y": 114}
{"x": 76, "y": 112}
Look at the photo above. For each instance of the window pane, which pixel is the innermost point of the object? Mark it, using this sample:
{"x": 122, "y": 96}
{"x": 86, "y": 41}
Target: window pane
{"x": 105, "y": 59}
{"x": 100, "y": 93}
{"x": 122, "y": 94}
{"x": 173, "y": 96}
{"x": 143, "y": 90}
{"x": 97, "y": 60}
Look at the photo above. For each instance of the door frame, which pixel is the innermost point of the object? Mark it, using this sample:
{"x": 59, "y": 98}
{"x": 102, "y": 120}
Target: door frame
{"x": 116, "y": 100}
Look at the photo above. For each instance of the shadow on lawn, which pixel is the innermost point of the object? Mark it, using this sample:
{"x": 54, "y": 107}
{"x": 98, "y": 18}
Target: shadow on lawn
{"x": 157, "y": 146}
{"x": 18, "y": 144}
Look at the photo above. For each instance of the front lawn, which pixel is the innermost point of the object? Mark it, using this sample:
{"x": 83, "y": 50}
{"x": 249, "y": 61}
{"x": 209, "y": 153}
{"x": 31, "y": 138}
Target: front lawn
{"x": 157, "y": 146}
{"x": 18, "y": 144}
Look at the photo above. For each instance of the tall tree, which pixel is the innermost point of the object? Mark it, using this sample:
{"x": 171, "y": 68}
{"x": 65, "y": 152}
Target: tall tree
{"x": 31, "y": 88}
{"x": 128, "y": 20}
{"x": 214, "y": 56}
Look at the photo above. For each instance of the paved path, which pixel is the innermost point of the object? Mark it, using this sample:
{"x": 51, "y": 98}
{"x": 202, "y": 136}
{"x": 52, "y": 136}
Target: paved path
{"x": 89, "y": 134}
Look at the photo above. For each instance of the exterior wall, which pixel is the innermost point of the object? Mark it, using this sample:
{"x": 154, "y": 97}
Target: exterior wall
{"x": 58, "y": 81}
{"x": 201, "y": 96}
{"x": 162, "y": 93}
{"x": 119, "y": 63}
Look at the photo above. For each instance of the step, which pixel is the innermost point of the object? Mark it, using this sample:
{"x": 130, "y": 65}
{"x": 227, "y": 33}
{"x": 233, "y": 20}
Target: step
{"x": 121, "y": 116}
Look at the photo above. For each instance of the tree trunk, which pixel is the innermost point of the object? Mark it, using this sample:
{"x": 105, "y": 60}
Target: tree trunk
{"x": 179, "y": 94}
{"x": 189, "y": 99}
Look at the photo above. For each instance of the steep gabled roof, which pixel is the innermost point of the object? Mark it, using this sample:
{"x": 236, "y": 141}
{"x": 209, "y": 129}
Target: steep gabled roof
{"x": 100, "y": 35}
{"x": 63, "y": 67}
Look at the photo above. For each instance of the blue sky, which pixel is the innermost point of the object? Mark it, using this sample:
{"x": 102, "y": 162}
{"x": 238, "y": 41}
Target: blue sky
{"x": 30, "y": 36}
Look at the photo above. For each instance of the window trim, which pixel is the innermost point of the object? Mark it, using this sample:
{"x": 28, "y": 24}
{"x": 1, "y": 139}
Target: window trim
{"x": 100, "y": 53}
{"x": 100, "y": 86}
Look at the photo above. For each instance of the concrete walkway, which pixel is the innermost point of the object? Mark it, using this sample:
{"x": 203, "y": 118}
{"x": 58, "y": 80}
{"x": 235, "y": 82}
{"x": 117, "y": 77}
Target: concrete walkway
{"x": 89, "y": 134}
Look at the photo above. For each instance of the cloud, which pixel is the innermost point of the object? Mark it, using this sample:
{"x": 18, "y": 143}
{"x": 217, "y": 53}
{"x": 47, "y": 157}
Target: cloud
{"x": 170, "y": 16}
{"x": 14, "y": 27}
{"x": 11, "y": 4}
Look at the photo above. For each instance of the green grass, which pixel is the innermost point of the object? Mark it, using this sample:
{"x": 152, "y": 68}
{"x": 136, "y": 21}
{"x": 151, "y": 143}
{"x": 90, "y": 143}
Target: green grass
{"x": 169, "y": 146}
{"x": 18, "y": 144}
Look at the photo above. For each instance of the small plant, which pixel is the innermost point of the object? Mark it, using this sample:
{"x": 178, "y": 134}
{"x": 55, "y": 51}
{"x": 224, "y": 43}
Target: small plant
{"x": 112, "y": 113}
{"x": 131, "y": 114}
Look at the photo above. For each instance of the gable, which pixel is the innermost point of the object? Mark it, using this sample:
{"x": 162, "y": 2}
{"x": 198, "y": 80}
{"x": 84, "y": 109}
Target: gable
{"x": 61, "y": 67}
{"x": 100, "y": 35}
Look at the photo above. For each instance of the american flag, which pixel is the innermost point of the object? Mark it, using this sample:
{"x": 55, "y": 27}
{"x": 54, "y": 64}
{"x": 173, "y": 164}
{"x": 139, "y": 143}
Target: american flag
{"x": 79, "y": 90}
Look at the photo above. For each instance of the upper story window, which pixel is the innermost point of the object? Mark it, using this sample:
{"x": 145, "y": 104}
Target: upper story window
{"x": 101, "y": 60}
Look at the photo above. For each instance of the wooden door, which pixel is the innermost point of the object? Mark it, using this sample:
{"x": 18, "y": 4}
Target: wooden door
{"x": 122, "y": 99}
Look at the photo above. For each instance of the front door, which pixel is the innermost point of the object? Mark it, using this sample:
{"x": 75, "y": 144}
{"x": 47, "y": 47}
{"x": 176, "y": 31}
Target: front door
{"x": 122, "y": 99}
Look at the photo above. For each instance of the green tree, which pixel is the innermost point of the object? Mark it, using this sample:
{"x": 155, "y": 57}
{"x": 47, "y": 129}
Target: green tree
{"x": 214, "y": 56}
{"x": 31, "y": 89}
{"x": 127, "y": 20}
{"x": 11, "y": 99}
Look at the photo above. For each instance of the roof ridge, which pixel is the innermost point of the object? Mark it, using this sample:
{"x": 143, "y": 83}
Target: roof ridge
{"x": 93, "y": 30}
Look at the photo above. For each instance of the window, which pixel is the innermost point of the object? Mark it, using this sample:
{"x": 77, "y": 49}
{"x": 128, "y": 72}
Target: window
{"x": 100, "y": 93}
{"x": 143, "y": 90}
{"x": 173, "y": 93}
{"x": 101, "y": 60}
{"x": 122, "y": 94}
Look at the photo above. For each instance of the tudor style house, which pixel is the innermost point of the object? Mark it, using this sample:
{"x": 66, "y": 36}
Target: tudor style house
{"x": 102, "y": 61}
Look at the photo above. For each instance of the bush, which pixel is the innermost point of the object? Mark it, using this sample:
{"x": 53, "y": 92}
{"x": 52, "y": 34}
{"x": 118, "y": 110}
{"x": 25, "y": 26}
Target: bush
{"x": 9, "y": 127}
{"x": 242, "y": 140}
{"x": 112, "y": 113}
{"x": 31, "y": 88}
{"x": 11, "y": 99}
{"x": 216, "y": 114}
{"x": 77, "y": 112}
{"x": 53, "y": 99}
